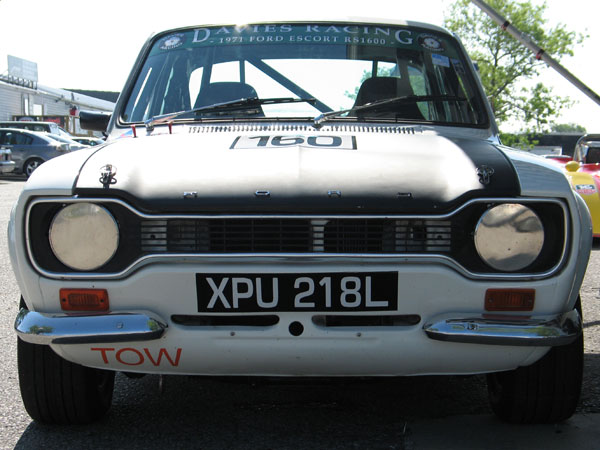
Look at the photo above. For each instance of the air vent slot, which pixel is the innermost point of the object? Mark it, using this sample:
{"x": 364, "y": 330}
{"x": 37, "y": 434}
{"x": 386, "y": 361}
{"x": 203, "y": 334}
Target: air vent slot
{"x": 282, "y": 235}
{"x": 340, "y": 128}
{"x": 332, "y": 321}
{"x": 225, "y": 321}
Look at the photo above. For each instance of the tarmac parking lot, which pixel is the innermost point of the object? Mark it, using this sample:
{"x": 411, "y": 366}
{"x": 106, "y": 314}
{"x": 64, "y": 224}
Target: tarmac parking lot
{"x": 187, "y": 412}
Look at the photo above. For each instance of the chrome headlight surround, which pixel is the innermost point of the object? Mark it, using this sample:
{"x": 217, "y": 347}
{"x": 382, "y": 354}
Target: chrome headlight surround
{"x": 84, "y": 236}
{"x": 509, "y": 237}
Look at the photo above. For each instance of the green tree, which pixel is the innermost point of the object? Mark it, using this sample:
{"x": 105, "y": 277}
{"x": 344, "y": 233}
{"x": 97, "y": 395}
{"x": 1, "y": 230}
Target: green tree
{"x": 523, "y": 140}
{"x": 505, "y": 65}
{"x": 567, "y": 128}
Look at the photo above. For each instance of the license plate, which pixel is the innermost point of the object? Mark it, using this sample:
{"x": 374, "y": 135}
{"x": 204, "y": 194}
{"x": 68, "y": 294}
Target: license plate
{"x": 373, "y": 291}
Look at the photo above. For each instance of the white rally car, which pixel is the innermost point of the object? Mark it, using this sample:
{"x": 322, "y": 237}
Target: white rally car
{"x": 300, "y": 199}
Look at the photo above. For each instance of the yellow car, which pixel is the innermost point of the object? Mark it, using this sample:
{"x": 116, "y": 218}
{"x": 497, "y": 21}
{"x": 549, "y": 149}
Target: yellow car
{"x": 583, "y": 171}
{"x": 586, "y": 184}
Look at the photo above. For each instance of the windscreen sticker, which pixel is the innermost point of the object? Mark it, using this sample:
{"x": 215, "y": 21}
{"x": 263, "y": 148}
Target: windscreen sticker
{"x": 440, "y": 60}
{"x": 325, "y": 34}
{"x": 172, "y": 41}
{"x": 317, "y": 141}
{"x": 430, "y": 42}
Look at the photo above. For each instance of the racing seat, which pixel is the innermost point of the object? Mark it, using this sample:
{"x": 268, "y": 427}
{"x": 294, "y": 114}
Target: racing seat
{"x": 225, "y": 91}
{"x": 380, "y": 88}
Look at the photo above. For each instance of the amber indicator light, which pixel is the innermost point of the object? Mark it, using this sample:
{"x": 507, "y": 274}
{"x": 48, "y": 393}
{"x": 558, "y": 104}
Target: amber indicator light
{"x": 84, "y": 299}
{"x": 509, "y": 299}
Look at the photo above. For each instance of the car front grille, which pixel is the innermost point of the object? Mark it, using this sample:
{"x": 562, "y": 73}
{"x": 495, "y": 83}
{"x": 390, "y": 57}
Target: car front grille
{"x": 281, "y": 235}
{"x": 445, "y": 239}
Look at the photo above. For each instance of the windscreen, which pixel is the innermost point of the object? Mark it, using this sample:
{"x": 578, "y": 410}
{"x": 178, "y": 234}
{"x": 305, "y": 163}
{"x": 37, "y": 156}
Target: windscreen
{"x": 306, "y": 70}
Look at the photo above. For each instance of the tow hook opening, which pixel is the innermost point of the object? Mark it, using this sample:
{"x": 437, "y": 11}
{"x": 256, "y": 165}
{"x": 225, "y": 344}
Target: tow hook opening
{"x": 296, "y": 328}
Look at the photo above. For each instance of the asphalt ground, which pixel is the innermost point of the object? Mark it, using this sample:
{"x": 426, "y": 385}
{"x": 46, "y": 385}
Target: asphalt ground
{"x": 192, "y": 412}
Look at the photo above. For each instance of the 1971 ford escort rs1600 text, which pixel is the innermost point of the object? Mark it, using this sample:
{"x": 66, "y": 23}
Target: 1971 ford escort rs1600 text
{"x": 300, "y": 199}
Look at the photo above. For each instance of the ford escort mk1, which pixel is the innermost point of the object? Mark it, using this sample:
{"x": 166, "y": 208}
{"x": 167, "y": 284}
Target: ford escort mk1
{"x": 337, "y": 203}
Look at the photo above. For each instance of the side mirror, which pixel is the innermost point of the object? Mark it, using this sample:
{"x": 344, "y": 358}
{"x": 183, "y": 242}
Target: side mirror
{"x": 94, "y": 120}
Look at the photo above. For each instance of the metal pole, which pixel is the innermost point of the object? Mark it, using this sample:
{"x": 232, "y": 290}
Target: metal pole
{"x": 535, "y": 49}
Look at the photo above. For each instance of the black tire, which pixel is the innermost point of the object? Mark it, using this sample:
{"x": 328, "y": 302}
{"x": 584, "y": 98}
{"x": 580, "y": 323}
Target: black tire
{"x": 30, "y": 165}
{"x": 544, "y": 392}
{"x": 56, "y": 391}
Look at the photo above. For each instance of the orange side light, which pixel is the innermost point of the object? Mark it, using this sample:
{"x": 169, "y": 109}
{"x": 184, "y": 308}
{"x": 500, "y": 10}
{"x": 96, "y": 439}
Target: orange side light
{"x": 509, "y": 299}
{"x": 84, "y": 299}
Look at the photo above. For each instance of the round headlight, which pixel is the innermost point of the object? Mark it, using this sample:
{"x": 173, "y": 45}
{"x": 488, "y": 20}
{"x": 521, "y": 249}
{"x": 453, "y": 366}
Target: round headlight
{"x": 84, "y": 236}
{"x": 509, "y": 237}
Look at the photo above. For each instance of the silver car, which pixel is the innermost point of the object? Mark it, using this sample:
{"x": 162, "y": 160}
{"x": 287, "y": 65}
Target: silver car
{"x": 73, "y": 144}
{"x": 91, "y": 141}
{"x": 6, "y": 162}
{"x": 30, "y": 149}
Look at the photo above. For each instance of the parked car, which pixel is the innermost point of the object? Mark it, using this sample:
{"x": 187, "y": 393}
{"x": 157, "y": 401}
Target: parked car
{"x": 305, "y": 231}
{"x": 583, "y": 171}
{"x": 72, "y": 143}
{"x": 91, "y": 141}
{"x": 44, "y": 127}
{"x": 29, "y": 149}
{"x": 6, "y": 162}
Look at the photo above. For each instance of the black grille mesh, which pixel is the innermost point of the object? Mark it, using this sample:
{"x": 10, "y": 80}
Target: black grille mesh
{"x": 281, "y": 235}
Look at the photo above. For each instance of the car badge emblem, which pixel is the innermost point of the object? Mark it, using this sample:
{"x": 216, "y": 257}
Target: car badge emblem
{"x": 485, "y": 174}
{"x": 107, "y": 175}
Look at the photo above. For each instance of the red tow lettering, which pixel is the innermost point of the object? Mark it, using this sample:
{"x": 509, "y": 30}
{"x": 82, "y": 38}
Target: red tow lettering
{"x": 133, "y": 350}
{"x": 103, "y": 350}
{"x": 161, "y": 352}
{"x": 132, "y": 357}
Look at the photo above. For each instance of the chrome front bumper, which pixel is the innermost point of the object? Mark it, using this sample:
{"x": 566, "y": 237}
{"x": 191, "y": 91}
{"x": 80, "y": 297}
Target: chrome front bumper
{"x": 543, "y": 331}
{"x": 38, "y": 328}
{"x": 546, "y": 331}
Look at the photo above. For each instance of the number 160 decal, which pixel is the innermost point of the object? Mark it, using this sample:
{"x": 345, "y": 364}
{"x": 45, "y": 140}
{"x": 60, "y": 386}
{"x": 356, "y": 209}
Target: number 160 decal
{"x": 319, "y": 141}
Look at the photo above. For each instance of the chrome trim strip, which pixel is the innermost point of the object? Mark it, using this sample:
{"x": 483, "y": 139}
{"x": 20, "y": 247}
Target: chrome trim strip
{"x": 293, "y": 216}
{"x": 39, "y": 328}
{"x": 315, "y": 257}
{"x": 544, "y": 331}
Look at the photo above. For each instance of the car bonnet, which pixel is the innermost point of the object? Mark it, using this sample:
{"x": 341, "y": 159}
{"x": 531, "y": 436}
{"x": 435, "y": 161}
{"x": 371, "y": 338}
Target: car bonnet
{"x": 327, "y": 171}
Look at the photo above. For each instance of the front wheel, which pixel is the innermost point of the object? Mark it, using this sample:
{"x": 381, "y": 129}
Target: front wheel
{"x": 31, "y": 165}
{"x": 57, "y": 391}
{"x": 544, "y": 392}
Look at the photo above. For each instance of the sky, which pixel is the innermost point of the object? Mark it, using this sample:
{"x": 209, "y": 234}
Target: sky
{"x": 81, "y": 44}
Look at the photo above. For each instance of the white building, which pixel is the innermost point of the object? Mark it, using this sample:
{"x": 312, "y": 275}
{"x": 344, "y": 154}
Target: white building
{"x": 25, "y": 100}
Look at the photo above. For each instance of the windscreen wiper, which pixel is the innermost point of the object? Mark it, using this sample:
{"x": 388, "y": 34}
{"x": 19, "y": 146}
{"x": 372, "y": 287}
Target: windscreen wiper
{"x": 240, "y": 103}
{"x": 384, "y": 103}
